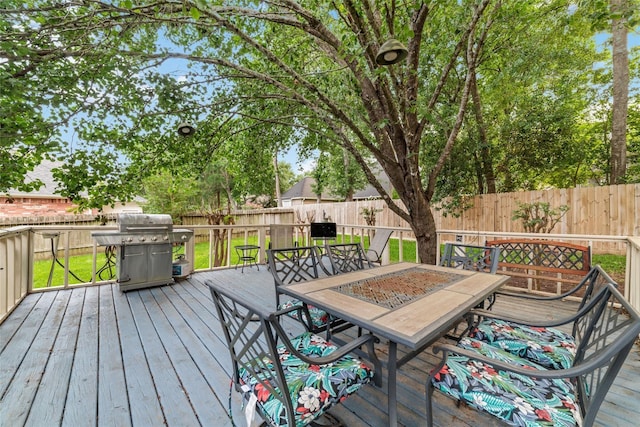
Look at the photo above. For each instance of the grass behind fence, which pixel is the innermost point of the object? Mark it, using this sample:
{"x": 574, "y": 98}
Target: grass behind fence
{"x": 81, "y": 265}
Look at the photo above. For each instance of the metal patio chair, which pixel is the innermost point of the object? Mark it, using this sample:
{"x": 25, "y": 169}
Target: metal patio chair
{"x": 281, "y": 236}
{"x": 541, "y": 381}
{"x": 470, "y": 257}
{"x": 473, "y": 258}
{"x": 288, "y": 381}
{"x": 346, "y": 257}
{"x": 378, "y": 244}
{"x": 294, "y": 265}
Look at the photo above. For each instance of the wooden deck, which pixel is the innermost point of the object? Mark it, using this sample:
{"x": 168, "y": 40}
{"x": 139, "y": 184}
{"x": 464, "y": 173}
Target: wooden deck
{"x": 151, "y": 357}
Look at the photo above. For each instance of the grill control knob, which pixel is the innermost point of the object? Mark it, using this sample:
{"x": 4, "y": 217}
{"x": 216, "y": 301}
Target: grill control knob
{"x": 183, "y": 237}
{"x": 154, "y": 238}
{"x": 142, "y": 239}
{"x": 165, "y": 237}
{"x": 129, "y": 239}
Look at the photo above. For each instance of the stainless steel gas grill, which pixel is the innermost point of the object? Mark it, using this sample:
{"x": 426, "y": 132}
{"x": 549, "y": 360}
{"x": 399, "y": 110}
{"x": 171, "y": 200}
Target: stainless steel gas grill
{"x": 144, "y": 249}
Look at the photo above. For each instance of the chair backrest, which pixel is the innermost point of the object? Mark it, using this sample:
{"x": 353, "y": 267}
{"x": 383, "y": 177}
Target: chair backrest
{"x": 293, "y": 265}
{"x": 608, "y": 328}
{"x": 594, "y": 281}
{"x": 280, "y": 236}
{"x": 377, "y": 244}
{"x": 269, "y": 364}
{"x": 346, "y": 257}
{"x": 252, "y": 337}
{"x": 470, "y": 257}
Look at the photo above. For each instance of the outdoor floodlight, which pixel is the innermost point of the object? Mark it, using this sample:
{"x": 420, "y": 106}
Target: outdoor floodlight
{"x": 186, "y": 129}
{"x": 391, "y": 52}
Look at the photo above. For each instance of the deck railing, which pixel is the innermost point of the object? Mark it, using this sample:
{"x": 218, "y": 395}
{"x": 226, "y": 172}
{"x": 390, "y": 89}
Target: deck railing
{"x": 21, "y": 247}
{"x": 15, "y": 267}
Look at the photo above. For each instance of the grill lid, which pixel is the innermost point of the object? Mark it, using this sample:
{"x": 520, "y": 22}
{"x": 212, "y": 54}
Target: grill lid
{"x": 143, "y": 229}
{"x": 134, "y": 222}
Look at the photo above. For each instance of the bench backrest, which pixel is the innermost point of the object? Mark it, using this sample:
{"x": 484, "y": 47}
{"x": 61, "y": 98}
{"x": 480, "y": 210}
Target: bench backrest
{"x": 608, "y": 327}
{"x": 545, "y": 255}
{"x": 540, "y": 259}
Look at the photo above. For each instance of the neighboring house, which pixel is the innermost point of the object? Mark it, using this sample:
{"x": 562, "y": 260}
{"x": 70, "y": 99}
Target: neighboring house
{"x": 134, "y": 206}
{"x": 369, "y": 192}
{"x": 302, "y": 193}
{"x": 44, "y": 201}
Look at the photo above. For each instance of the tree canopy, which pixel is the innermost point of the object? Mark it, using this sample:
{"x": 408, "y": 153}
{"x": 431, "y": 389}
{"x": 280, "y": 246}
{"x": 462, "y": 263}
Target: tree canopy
{"x": 489, "y": 95}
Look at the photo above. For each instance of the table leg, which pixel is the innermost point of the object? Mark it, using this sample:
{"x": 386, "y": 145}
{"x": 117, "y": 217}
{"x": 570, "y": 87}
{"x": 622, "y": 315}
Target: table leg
{"x": 392, "y": 367}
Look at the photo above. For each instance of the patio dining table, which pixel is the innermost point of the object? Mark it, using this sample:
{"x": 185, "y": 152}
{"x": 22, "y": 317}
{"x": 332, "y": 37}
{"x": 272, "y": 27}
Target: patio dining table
{"x": 407, "y": 304}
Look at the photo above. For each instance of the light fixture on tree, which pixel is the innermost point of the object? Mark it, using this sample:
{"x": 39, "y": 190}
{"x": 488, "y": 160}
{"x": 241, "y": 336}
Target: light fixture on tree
{"x": 391, "y": 52}
{"x": 186, "y": 129}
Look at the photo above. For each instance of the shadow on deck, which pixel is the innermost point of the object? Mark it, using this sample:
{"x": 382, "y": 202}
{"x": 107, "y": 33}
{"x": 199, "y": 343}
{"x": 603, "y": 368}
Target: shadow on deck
{"x": 96, "y": 356}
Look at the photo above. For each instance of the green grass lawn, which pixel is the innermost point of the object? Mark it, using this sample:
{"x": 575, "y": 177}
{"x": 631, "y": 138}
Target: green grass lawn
{"x": 80, "y": 265}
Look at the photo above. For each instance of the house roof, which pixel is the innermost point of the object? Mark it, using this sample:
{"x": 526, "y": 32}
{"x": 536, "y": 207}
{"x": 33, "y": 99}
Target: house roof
{"x": 369, "y": 192}
{"x": 43, "y": 173}
{"x": 303, "y": 189}
{"x": 47, "y": 190}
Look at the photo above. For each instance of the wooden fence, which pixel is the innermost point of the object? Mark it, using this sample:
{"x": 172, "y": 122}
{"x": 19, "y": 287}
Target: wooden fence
{"x": 611, "y": 211}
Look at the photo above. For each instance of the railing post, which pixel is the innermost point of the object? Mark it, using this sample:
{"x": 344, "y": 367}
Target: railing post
{"x": 94, "y": 267}
{"x": 229, "y": 240}
{"x": 632, "y": 275}
{"x": 190, "y": 252}
{"x": 262, "y": 242}
{"x": 211, "y": 248}
{"x": 67, "y": 244}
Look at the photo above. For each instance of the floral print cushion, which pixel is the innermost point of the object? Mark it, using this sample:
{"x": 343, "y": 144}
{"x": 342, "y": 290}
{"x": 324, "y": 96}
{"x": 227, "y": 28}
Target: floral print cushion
{"x": 313, "y": 388}
{"x": 548, "y": 347}
{"x": 319, "y": 318}
{"x": 513, "y": 398}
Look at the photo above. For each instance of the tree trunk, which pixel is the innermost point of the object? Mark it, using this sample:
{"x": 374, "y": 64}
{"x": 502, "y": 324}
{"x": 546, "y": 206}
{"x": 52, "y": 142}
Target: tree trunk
{"x": 423, "y": 225}
{"x": 485, "y": 153}
{"x": 277, "y": 176}
{"x": 477, "y": 166}
{"x": 348, "y": 197}
{"x": 620, "y": 94}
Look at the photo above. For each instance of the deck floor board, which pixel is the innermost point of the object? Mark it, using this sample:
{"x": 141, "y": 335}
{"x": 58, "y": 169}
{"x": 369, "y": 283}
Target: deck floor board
{"x": 52, "y": 391}
{"x": 96, "y": 356}
{"x": 81, "y": 403}
{"x": 140, "y": 384}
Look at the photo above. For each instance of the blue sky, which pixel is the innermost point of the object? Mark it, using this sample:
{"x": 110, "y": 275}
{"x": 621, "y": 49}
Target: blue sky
{"x": 633, "y": 39}
{"x": 305, "y": 166}
{"x": 291, "y": 156}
